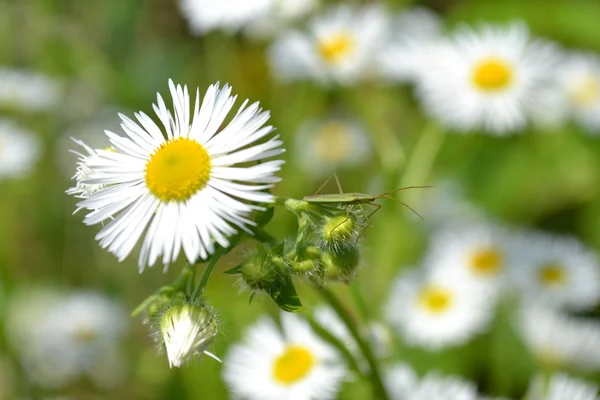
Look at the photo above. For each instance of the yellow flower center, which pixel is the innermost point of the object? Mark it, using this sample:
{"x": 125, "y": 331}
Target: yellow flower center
{"x": 492, "y": 74}
{"x": 178, "y": 169}
{"x": 486, "y": 262}
{"x": 435, "y": 299}
{"x": 85, "y": 335}
{"x": 586, "y": 92}
{"x": 552, "y": 275}
{"x": 331, "y": 142}
{"x": 334, "y": 48}
{"x": 293, "y": 364}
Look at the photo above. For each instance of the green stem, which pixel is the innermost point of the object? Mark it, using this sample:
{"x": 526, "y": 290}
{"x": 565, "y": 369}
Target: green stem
{"x": 359, "y": 300}
{"x": 363, "y": 345}
{"x": 199, "y": 291}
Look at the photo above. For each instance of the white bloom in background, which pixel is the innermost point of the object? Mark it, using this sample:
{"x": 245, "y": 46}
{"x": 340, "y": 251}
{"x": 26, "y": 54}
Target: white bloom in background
{"x": 579, "y": 77}
{"x": 281, "y": 14}
{"x": 339, "y": 47}
{"x": 187, "y": 330}
{"x": 323, "y": 147}
{"x": 404, "y": 384}
{"x": 436, "y": 313}
{"x": 560, "y": 341}
{"x": 414, "y": 45}
{"x": 182, "y": 189}
{"x": 555, "y": 270}
{"x": 560, "y": 387}
{"x": 489, "y": 79}
{"x": 19, "y": 150}
{"x": 274, "y": 365}
{"x": 475, "y": 253}
{"x": 28, "y": 90}
{"x": 229, "y": 15}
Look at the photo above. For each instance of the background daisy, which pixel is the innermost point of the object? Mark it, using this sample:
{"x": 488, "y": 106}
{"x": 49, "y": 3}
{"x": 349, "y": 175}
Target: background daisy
{"x": 19, "y": 150}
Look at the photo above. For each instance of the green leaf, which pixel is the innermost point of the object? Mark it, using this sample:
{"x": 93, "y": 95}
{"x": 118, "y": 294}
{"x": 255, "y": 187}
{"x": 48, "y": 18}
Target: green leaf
{"x": 234, "y": 271}
{"x": 286, "y": 297}
{"x": 262, "y": 218}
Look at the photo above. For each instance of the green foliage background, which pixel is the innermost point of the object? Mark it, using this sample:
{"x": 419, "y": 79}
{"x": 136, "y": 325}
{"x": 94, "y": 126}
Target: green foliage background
{"x": 119, "y": 53}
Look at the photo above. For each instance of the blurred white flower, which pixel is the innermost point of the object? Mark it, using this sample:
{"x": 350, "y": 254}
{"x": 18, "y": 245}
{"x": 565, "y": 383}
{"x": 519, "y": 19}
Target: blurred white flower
{"x": 413, "y": 47}
{"x": 28, "y": 90}
{"x": 556, "y": 270}
{"x": 404, "y": 384}
{"x": 475, "y": 253}
{"x": 280, "y": 15}
{"x": 229, "y": 15}
{"x": 182, "y": 189}
{"x": 323, "y": 147}
{"x": 560, "y": 341}
{"x": 271, "y": 365}
{"x": 489, "y": 79}
{"x": 436, "y": 313}
{"x": 560, "y": 387}
{"x": 579, "y": 77}
{"x": 447, "y": 204}
{"x": 339, "y": 48}
{"x": 19, "y": 150}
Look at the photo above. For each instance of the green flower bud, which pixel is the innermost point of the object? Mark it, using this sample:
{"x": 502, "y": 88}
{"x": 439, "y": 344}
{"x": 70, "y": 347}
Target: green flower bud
{"x": 306, "y": 261}
{"x": 340, "y": 231}
{"x": 187, "y": 329}
{"x": 340, "y": 266}
{"x": 263, "y": 269}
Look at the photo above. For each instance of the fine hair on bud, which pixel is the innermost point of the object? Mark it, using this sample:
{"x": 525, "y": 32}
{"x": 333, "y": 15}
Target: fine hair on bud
{"x": 342, "y": 230}
{"x": 305, "y": 261}
{"x": 264, "y": 269}
{"x": 185, "y": 329}
{"x": 340, "y": 266}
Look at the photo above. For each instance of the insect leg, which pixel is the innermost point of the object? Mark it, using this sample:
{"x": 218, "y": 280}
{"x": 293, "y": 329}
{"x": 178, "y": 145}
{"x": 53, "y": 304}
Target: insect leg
{"x": 325, "y": 183}
{"x": 399, "y": 202}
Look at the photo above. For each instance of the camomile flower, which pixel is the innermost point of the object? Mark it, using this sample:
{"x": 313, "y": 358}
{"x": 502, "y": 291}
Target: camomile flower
{"x": 488, "y": 79}
{"x": 19, "y": 150}
{"x": 281, "y": 14}
{"x": 560, "y": 341}
{"x": 476, "y": 253}
{"x": 579, "y": 77}
{"x": 180, "y": 187}
{"x": 339, "y": 47}
{"x": 275, "y": 365}
{"x": 555, "y": 270}
{"x": 323, "y": 147}
{"x": 28, "y": 90}
{"x": 229, "y": 15}
{"x": 436, "y": 313}
{"x": 560, "y": 386}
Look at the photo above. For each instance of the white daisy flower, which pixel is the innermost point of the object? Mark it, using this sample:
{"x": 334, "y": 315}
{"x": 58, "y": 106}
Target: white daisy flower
{"x": 414, "y": 44}
{"x": 323, "y": 147}
{"x": 404, "y": 384}
{"x": 560, "y": 341}
{"x": 274, "y": 365}
{"x": 556, "y": 270}
{"x": 579, "y": 77}
{"x": 488, "y": 79}
{"x": 19, "y": 150}
{"x": 560, "y": 387}
{"x": 182, "y": 189}
{"x": 229, "y": 15}
{"x": 437, "y": 313}
{"x": 28, "y": 90}
{"x": 83, "y": 173}
{"x": 339, "y": 47}
{"x": 476, "y": 253}
{"x": 281, "y": 14}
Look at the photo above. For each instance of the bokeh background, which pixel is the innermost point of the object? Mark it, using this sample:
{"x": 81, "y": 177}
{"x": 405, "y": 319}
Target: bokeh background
{"x": 112, "y": 56}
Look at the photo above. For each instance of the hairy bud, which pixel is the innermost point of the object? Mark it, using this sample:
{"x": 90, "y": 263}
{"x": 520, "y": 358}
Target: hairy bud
{"x": 340, "y": 266}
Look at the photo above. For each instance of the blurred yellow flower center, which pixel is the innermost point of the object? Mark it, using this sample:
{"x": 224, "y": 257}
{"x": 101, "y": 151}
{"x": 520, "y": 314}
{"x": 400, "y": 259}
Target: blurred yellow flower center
{"x": 435, "y": 299}
{"x": 552, "y": 275}
{"x": 334, "y": 48}
{"x": 178, "y": 169}
{"x": 331, "y": 142}
{"x": 492, "y": 74}
{"x": 486, "y": 262}
{"x": 85, "y": 335}
{"x": 293, "y": 364}
{"x": 586, "y": 92}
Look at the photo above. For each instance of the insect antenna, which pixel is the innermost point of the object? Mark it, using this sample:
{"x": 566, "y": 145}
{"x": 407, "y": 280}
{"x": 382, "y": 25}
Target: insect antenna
{"x": 399, "y": 202}
{"x": 404, "y": 188}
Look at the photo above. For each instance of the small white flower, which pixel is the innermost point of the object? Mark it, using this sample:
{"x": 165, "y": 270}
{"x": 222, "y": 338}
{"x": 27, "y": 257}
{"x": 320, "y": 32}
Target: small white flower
{"x": 436, "y": 313}
{"x": 187, "y": 330}
{"x": 489, "y": 79}
{"x": 339, "y": 47}
{"x": 19, "y": 150}
{"x": 323, "y": 147}
{"x": 560, "y": 341}
{"x": 281, "y": 14}
{"x": 83, "y": 173}
{"x": 560, "y": 387}
{"x": 274, "y": 365}
{"x": 556, "y": 270}
{"x": 229, "y": 15}
{"x": 182, "y": 189}
{"x": 28, "y": 90}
